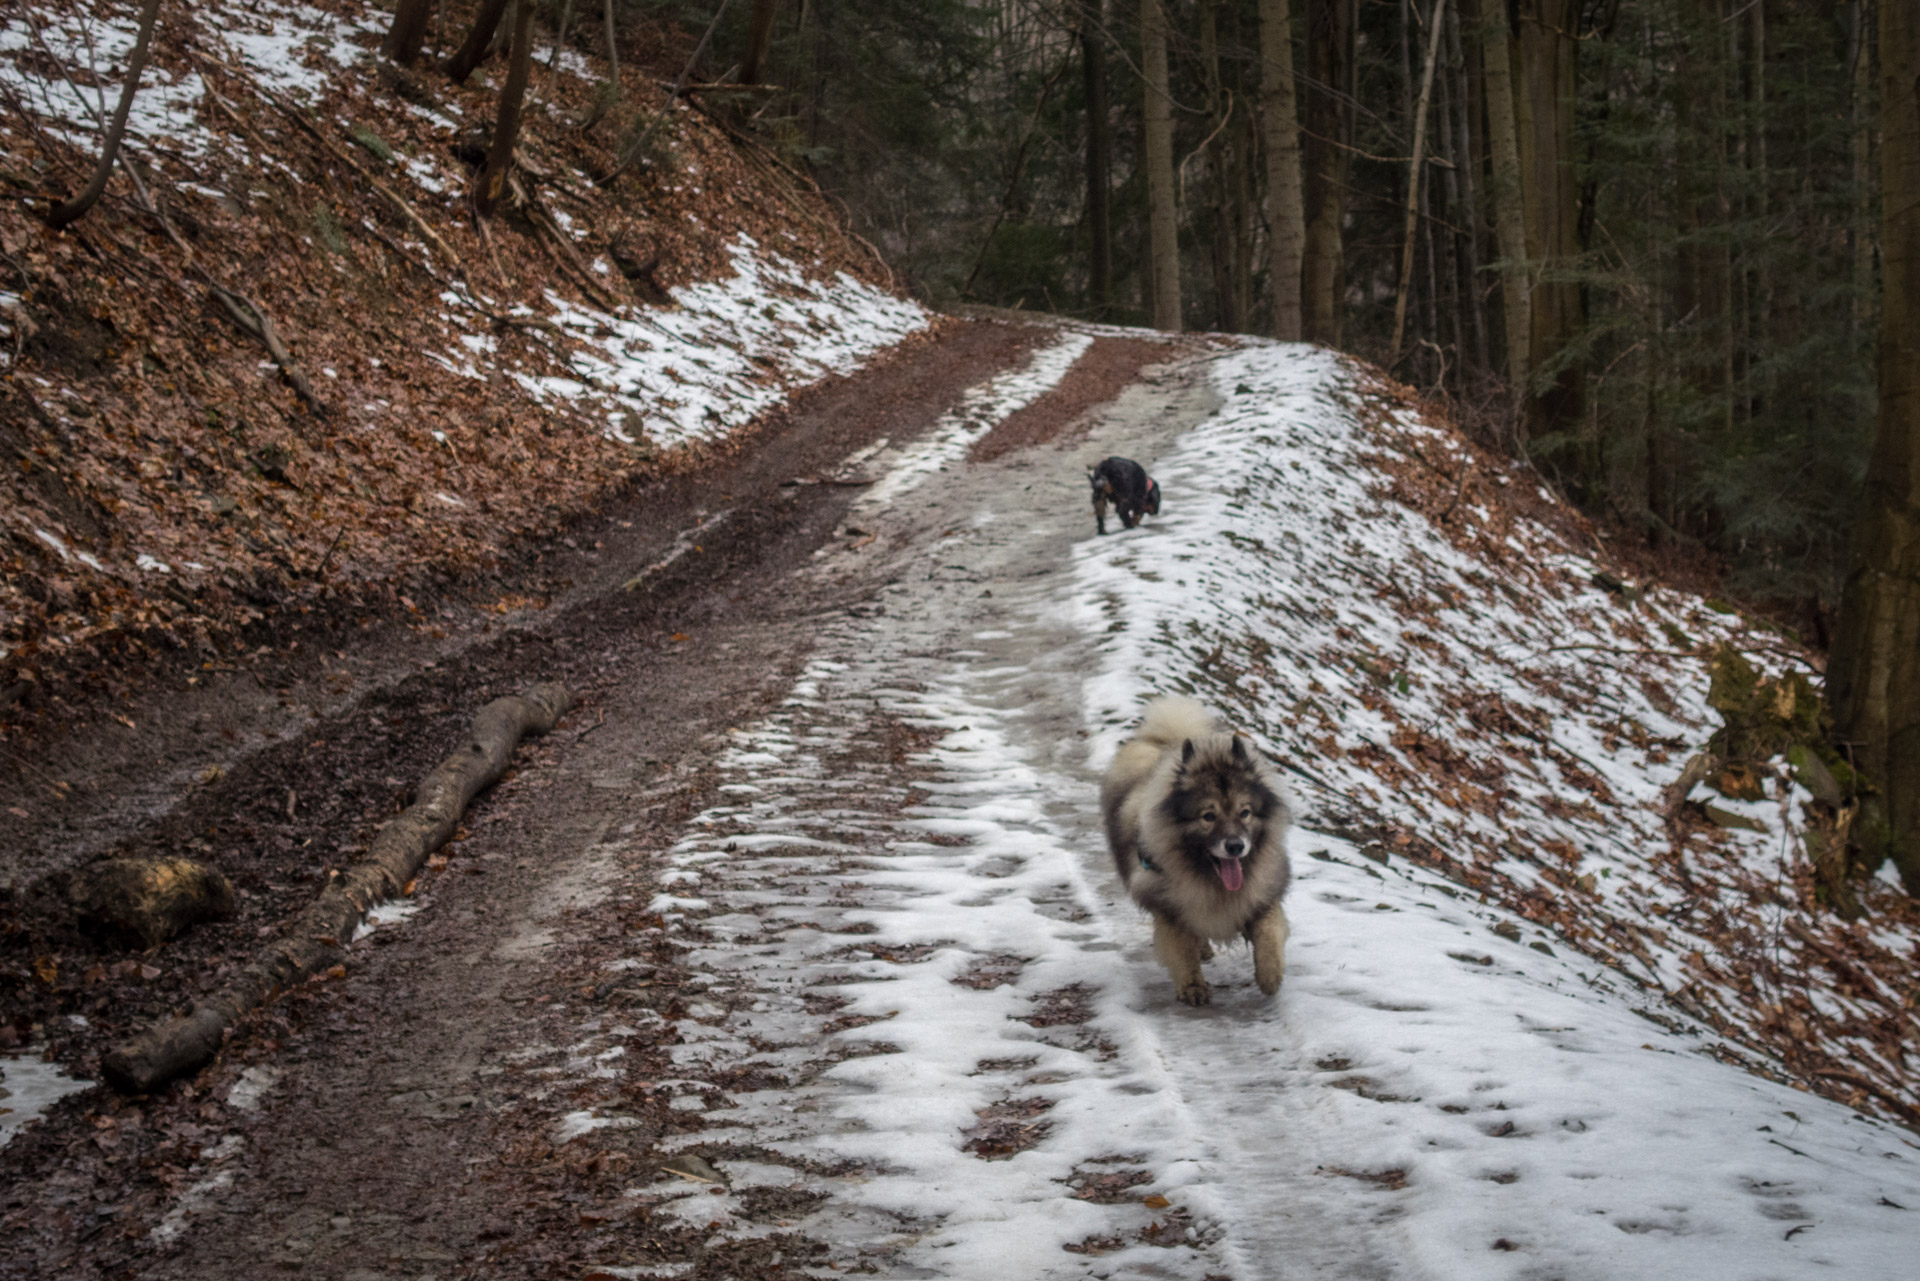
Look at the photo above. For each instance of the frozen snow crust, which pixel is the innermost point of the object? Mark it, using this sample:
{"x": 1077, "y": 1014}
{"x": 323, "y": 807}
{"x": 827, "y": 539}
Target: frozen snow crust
{"x": 907, "y": 929}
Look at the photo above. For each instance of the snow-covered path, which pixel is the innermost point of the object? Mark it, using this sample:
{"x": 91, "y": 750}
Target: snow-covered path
{"x": 947, "y": 1023}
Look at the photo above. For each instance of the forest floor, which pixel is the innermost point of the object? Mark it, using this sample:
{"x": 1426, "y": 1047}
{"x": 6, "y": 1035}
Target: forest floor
{"x": 794, "y": 950}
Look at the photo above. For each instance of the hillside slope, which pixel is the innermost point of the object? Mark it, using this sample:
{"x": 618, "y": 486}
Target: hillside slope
{"x": 1438, "y": 651}
{"x": 450, "y": 386}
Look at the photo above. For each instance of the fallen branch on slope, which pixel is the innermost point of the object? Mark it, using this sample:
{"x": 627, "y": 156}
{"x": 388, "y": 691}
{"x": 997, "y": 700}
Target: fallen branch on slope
{"x": 317, "y": 936}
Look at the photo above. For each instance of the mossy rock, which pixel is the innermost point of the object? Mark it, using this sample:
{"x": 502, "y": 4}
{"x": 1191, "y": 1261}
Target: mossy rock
{"x": 1764, "y": 718}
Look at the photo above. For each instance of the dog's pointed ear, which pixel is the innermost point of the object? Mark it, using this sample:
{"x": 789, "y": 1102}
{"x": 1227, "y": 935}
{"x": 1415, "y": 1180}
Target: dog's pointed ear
{"x": 1186, "y": 751}
{"x": 1239, "y": 747}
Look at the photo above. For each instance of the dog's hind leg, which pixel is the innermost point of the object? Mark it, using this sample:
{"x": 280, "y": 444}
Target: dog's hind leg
{"x": 1269, "y": 938}
{"x": 1179, "y": 951}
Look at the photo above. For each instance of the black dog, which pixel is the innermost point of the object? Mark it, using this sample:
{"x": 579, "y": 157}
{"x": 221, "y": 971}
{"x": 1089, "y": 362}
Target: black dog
{"x": 1126, "y": 485}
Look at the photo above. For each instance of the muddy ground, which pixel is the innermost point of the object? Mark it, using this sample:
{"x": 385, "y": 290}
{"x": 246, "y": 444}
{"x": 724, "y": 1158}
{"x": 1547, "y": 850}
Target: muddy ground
{"x": 395, "y": 1148}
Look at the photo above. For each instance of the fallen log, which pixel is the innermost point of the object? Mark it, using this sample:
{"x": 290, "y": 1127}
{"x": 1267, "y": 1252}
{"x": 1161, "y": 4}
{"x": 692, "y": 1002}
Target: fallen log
{"x": 317, "y": 937}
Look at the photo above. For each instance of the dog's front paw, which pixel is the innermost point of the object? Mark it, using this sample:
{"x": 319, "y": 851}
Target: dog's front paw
{"x": 1269, "y": 976}
{"x": 1196, "y": 993}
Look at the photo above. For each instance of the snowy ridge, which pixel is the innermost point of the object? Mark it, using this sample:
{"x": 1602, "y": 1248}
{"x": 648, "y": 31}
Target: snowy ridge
{"x": 1490, "y": 708}
{"x": 726, "y": 351}
{"x": 1357, "y": 644}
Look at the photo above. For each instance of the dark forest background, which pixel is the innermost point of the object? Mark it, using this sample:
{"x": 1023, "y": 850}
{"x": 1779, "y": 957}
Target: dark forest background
{"x": 1703, "y": 373}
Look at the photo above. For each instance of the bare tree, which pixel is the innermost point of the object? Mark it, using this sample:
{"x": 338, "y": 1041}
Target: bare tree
{"x": 1285, "y": 210}
{"x": 1328, "y": 120}
{"x": 409, "y": 31}
{"x": 1545, "y": 44}
{"x": 1873, "y": 680}
{"x": 473, "y": 51}
{"x": 1163, "y": 215}
{"x": 608, "y": 93}
{"x": 1093, "y": 56}
{"x": 70, "y": 211}
{"x": 1415, "y": 178}
{"x": 491, "y": 183}
{"x": 1509, "y": 219}
{"x": 759, "y": 39}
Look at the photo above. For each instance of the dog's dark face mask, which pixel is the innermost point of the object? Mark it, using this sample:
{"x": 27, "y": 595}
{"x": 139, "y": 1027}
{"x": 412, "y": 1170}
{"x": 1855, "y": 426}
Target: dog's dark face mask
{"x": 1222, "y": 808}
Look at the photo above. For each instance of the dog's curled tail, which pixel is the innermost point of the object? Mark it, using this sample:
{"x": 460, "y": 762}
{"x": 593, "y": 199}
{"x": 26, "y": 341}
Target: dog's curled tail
{"x": 1172, "y": 719}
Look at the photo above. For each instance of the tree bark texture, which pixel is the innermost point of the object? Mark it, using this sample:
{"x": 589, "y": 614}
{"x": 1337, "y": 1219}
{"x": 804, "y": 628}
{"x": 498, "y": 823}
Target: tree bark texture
{"x": 1286, "y": 211}
{"x": 1543, "y": 72}
{"x": 1466, "y": 165}
{"x": 1163, "y": 216}
{"x": 1436, "y": 24}
{"x": 314, "y": 940}
{"x": 759, "y": 40}
{"x": 492, "y": 181}
{"x": 1093, "y": 56}
{"x": 1509, "y": 218}
{"x": 408, "y": 33}
{"x": 1328, "y": 120}
{"x": 1227, "y": 314}
{"x": 1873, "y": 680}
{"x": 1860, "y": 50}
{"x": 70, "y": 211}
{"x": 473, "y": 50}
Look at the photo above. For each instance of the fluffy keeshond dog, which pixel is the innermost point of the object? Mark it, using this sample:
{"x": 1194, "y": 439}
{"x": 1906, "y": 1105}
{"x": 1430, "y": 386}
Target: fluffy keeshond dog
{"x": 1197, "y": 821}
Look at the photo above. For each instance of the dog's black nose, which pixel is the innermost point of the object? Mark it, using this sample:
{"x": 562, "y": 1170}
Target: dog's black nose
{"x": 1235, "y": 847}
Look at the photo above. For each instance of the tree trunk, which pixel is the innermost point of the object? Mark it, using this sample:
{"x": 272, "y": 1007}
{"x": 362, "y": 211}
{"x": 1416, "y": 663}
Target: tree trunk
{"x": 1414, "y": 183}
{"x": 1329, "y": 128}
{"x": 1286, "y": 213}
{"x": 70, "y": 211}
{"x": 1163, "y": 217}
{"x": 1860, "y": 50}
{"x": 1466, "y": 161}
{"x": 1099, "y": 226}
{"x": 473, "y": 50}
{"x": 1509, "y": 218}
{"x": 1873, "y": 680}
{"x": 608, "y": 93}
{"x": 1220, "y": 108}
{"x": 492, "y": 181}
{"x": 1550, "y": 204}
{"x": 408, "y": 32}
{"x": 559, "y": 42}
{"x": 759, "y": 40}
{"x": 1761, "y": 310}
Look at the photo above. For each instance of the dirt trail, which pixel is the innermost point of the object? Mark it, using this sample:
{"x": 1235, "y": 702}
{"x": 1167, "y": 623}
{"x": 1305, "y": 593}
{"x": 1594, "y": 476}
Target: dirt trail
{"x": 410, "y": 1118}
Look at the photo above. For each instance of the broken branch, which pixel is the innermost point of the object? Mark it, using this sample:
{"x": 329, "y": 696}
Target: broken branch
{"x": 313, "y": 940}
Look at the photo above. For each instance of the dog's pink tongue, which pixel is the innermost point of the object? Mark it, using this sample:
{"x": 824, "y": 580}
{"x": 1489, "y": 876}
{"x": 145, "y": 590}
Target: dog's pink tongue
{"x": 1229, "y": 869}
